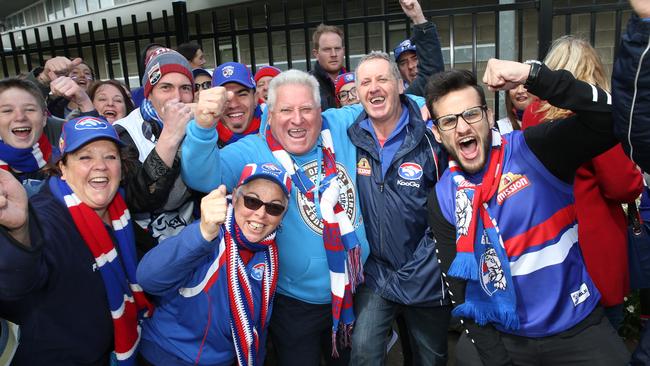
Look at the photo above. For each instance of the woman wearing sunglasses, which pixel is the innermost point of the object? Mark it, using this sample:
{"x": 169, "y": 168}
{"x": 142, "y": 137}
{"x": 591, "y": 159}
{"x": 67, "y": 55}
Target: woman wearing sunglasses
{"x": 202, "y": 81}
{"x": 215, "y": 281}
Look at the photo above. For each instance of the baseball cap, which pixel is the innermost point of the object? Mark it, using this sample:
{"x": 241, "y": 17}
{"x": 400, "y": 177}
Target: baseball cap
{"x": 271, "y": 71}
{"x": 404, "y": 46}
{"x": 233, "y": 72}
{"x": 343, "y": 79}
{"x": 81, "y": 130}
{"x": 199, "y": 71}
{"x": 269, "y": 171}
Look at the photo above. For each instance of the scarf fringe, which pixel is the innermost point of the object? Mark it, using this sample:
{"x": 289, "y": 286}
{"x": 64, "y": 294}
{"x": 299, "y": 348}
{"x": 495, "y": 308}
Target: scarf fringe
{"x": 464, "y": 266}
{"x": 355, "y": 268}
{"x": 345, "y": 340}
{"x": 508, "y": 319}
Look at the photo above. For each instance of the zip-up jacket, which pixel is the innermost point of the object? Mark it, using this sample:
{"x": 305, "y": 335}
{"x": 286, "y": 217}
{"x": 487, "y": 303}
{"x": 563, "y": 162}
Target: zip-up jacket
{"x": 402, "y": 266}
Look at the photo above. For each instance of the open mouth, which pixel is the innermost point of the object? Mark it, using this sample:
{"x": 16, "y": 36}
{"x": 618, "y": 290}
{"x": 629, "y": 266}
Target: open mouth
{"x": 255, "y": 227}
{"x": 521, "y": 99}
{"x": 98, "y": 182}
{"x": 297, "y": 133}
{"x": 468, "y": 147}
{"x": 377, "y": 100}
{"x": 110, "y": 114}
{"x": 22, "y": 132}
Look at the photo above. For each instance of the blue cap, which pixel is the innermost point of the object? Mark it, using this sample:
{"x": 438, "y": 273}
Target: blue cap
{"x": 404, "y": 46}
{"x": 81, "y": 130}
{"x": 233, "y": 72}
{"x": 199, "y": 71}
{"x": 270, "y": 171}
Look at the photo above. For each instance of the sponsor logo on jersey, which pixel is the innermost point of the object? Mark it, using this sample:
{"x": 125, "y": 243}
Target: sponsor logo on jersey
{"x": 510, "y": 184}
{"x": 347, "y": 197}
{"x": 581, "y": 295}
{"x": 257, "y": 272}
{"x": 363, "y": 167}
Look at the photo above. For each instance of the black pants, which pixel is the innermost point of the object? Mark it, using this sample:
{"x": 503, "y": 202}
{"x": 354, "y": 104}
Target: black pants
{"x": 302, "y": 333}
{"x": 596, "y": 345}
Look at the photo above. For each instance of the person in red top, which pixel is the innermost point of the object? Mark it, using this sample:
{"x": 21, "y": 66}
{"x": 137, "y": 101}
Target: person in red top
{"x": 600, "y": 186}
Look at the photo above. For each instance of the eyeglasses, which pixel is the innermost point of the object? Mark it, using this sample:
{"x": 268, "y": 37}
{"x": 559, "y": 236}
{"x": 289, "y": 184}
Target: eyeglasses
{"x": 203, "y": 86}
{"x": 471, "y": 115}
{"x": 273, "y": 209}
{"x": 348, "y": 94}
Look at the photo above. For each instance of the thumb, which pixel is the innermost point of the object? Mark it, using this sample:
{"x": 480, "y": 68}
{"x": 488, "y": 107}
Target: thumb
{"x": 230, "y": 95}
{"x": 76, "y": 62}
{"x": 52, "y": 75}
{"x": 222, "y": 190}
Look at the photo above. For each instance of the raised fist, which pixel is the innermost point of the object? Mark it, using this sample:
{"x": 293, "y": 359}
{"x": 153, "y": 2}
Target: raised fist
{"x": 212, "y": 102}
{"x": 214, "y": 207}
{"x": 13, "y": 206}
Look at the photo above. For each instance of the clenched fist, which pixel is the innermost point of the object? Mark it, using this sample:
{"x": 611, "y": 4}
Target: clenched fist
{"x": 13, "y": 207}
{"x": 505, "y": 75}
{"x": 65, "y": 87}
{"x": 214, "y": 207}
{"x": 212, "y": 102}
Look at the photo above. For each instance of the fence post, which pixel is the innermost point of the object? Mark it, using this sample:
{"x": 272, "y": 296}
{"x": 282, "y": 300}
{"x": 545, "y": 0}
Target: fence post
{"x": 181, "y": 23}
{"x": 545, "y": 28}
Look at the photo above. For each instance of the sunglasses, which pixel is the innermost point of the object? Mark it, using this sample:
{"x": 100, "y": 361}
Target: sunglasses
{"x": 273, "y": 209}
{"x": 203, "y": 86}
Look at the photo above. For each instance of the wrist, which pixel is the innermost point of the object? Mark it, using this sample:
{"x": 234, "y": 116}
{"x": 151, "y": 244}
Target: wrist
{"x": 533, "y": 72}
{"x": 419, "y": 19}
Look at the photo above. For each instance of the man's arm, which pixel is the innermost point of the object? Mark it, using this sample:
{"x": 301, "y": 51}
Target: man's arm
{"x": 486, "y": 338}
{"x": 631, "y": 110}
{"x": 427, "y": 45}
{"x": 561, "y": 146}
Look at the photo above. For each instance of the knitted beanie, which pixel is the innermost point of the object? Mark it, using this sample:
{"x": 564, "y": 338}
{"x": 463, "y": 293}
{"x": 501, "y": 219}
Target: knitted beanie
{"x": 271, "y": 71}
{"x": 162, "y": 62}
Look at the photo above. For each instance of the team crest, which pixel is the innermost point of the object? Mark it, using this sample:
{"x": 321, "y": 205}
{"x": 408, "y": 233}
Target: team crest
{"x": 510, "y": 184}
{"x": 228, "y": 71}
{"x": 363, "y": 167}
{"x": 463, "y": 212}
{"x": 154, "y": 74}
{"x": 347, "y": 197}
{"x": 492, "y": 276}
{"x": 257, "y": 272}
{"x": 410, "y": 171}
{"x": 90, "y": 123}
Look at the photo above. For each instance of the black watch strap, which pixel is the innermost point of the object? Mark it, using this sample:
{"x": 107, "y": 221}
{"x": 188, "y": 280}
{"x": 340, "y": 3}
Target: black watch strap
{"x": 535, "y": 66}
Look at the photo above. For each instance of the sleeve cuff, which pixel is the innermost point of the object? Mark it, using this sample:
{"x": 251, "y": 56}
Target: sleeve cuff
{"x": 201, "y": 133}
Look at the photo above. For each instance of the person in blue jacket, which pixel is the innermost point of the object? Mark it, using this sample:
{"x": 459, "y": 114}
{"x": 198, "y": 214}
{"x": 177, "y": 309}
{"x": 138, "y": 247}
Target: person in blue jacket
{"x": 215, "y": 281}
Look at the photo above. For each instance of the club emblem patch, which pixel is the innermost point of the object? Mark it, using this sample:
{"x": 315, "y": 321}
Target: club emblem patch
{"x": 257, "y": 272}
{"x": 154, "y": 74}
{"x": 363, "y": 167}
{"x": 492, "y": 275}
{"x": 228, "y": 71}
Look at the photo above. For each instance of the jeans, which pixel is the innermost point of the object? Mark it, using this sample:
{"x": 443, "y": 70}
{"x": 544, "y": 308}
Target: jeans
{"x": 427, "y": 329}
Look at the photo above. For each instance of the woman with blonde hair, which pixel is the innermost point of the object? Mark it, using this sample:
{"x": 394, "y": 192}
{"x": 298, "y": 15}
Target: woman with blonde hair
{"x": 600, "y": 186}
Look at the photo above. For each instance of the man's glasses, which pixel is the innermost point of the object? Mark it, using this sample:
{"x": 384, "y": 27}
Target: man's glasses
{"x": 273, "y": 209}
{"x": 348, "y": 94}
{"x": 471, "y": 115}
{"x": 203, "y": 86}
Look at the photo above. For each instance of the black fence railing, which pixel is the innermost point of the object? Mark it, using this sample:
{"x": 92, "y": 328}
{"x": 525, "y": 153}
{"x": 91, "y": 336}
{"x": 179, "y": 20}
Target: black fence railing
{"x": 278, "y": 33}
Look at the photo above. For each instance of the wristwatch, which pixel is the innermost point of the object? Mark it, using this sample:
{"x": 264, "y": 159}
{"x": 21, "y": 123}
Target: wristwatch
{"x": 534, "y": 71}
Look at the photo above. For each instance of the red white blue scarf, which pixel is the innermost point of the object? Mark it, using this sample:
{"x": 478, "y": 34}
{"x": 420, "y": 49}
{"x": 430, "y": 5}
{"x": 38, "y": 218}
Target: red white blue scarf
{"x": 26, "y": 160}
{"x": 480, "y": 254}
{"x": 226, "y": 136}
{"x": 341, "y": 243}
{"x": 126, "y": 300}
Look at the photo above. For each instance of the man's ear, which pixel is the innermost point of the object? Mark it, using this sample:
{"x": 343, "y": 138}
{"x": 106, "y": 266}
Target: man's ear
{"x": 400, "y": 86}
{"x": 314, "y": 52}
{"x": 436, "y": 134}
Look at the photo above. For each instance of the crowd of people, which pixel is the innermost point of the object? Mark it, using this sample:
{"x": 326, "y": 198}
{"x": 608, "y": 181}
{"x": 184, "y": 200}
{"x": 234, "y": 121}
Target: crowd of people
{"x": 227, "y": 217}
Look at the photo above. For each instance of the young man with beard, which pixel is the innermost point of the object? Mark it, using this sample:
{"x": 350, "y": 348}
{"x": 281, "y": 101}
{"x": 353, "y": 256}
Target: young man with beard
{"x": 397, "y": 166}
{"x": 242, "y": 114}
{"x": 420, "y": 56}
{"x": 153, "y": 134}
{"x": 329, "y": 53}
{"x": 504, "y": 220}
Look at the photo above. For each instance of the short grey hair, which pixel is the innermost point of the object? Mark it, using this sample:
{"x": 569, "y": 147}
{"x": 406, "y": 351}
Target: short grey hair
{"x": 378, "y": 55}
{"x": 293, "y": 77}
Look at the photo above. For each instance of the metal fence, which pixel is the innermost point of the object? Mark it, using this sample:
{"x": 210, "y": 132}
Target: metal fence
{"x": 547, "y": 21}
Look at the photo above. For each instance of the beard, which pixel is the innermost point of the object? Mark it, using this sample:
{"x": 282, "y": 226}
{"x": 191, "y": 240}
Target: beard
{"x": 475, "y": 166}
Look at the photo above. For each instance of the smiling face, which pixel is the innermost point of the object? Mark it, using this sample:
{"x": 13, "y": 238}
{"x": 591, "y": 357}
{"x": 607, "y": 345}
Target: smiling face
{"x": 262, "y": 87}
{"x": 82, "y": 75}
{"x": 408, "y": 65}
{"x": 257, "y": 224}
{"x": 93, "y": 172}
{"x": 351, "y": 90}
{"x": 330, "y": 52}
{"x": 239, "y": 110}
{"x": 295, "y": 119}
{"x": 520, "y": 97}
{"x": 170, "y": 86}
{"x": 468, "y": 144}
{"x": 21, "y": 118}
{"x": 379, "y": 90}
{"x": 109, "y": 102}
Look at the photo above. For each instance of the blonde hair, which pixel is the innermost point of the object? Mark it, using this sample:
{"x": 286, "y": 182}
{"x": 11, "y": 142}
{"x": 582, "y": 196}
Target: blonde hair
{"x": 577, "y": 56}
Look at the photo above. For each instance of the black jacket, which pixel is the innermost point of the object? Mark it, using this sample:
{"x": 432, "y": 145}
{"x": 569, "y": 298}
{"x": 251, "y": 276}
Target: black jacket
{"x": 430, "y": 61}
{"x": 326, "y": 87}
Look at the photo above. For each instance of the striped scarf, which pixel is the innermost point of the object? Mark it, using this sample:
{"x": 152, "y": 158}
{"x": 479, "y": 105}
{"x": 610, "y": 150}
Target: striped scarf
{"x": 339, "y": 239}
{"x": 149, "y": 113}
{"x": 26, "y": 160}
{"x": 246, "y": 332}
{"x": 127, "y": 303}
{"x": 480, "y": 255}
{"x": 226, "y": 136}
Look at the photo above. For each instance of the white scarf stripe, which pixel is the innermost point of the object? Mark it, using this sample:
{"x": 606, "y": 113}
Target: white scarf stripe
{"x": 344, "y": 225}
{"x": 116, "y": 314}
{"x": 339, "y": 280}
{"x": 106, "y": 258}
{"x": 131, "y": 352}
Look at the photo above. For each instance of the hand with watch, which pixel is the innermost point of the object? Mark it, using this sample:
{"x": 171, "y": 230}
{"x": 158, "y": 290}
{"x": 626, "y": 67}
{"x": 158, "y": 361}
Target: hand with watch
{"x": 505, "y": 75}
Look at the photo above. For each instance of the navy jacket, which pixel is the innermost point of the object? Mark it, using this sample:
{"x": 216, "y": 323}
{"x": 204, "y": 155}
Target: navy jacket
{"x": 52, "y": 291}
{"x": 630, "y": 87}
{"x": 429, "y": 52}
{"x": 402, "y": 266}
